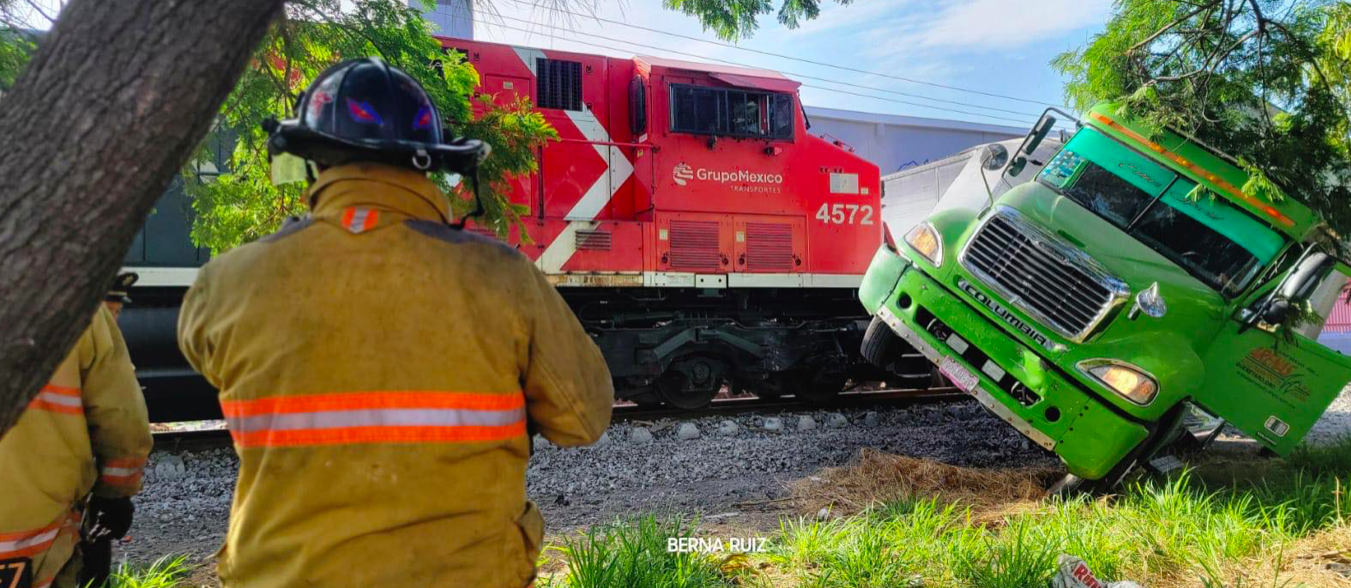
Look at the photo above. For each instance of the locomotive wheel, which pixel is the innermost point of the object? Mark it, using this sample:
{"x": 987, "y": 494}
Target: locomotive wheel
{"x": 690, "y": 384}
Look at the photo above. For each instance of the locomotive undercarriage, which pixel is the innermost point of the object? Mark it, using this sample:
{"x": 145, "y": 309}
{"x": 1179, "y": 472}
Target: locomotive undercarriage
{"x": 680, "y": 347}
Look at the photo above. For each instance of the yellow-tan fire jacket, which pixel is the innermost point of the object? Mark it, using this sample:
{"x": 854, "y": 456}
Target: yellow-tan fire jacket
{"x": 86, "y": 431}
{"x": 377, "y": 369}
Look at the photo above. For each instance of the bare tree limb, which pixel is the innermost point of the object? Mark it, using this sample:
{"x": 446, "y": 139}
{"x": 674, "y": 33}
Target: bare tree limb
{"x": 38, "y": 9}
{"x": 1176, "y": 22}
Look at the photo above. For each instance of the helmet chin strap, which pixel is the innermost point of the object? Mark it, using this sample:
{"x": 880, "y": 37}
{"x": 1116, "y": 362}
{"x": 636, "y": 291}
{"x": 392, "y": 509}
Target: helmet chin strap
{"x": 478, "y": 201}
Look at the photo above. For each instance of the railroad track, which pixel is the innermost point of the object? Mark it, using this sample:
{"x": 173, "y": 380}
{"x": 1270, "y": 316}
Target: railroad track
{"x": 216, "y": 436}
{"x": 730, "y": 406}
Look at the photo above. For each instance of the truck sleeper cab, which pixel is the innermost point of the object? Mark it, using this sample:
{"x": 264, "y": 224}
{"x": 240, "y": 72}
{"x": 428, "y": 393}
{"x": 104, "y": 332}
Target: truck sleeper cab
{"x": 1133, "y": 279}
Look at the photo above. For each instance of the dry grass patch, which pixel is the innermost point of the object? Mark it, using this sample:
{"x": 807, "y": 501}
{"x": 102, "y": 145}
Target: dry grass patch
{"x": 1322, "y": 559}
{"x": 875, "y": 478}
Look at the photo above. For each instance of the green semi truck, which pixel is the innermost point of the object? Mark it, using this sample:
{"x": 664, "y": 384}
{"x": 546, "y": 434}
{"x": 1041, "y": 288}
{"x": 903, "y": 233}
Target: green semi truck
{"x": 1130, "y": 282}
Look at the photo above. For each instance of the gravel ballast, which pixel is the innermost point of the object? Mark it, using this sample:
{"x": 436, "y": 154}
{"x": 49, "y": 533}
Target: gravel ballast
{"x": 646, "y": 466}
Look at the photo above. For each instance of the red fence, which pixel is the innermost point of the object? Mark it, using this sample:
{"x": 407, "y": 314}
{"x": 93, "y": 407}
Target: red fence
{"x": 1339, "y": 320}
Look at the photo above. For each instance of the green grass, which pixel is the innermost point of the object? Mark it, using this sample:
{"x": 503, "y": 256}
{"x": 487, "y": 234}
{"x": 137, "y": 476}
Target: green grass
{"x": 1325, "y": 458}
{"x": 166, "y": 572}
{"x": 1181, "y": 531}
{"x": 1190, "y": 530}
{"x": 633, "y": 552}
{"x": 1009, "y": 559}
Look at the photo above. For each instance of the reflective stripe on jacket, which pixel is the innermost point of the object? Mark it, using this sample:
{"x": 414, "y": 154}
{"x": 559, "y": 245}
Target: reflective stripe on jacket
{"x": 86, "y": 431}
{"x": 377, "y": 370}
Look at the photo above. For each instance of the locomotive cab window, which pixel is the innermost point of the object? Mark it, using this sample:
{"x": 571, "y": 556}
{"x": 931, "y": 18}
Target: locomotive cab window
{"x": 734, "y": 113}
{"x": 559, "y": 84}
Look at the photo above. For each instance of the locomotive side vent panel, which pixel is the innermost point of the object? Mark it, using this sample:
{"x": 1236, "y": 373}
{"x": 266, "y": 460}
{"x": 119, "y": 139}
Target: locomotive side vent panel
{"x": 593, "y": 240}
{"x": 559, "y": 83}
{"x": 694, "y": 245}
{"x": 769, "y": 247}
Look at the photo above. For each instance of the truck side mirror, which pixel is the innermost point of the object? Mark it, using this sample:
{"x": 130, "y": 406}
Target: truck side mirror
{"x": 1277, "y": 312}
{"x": 996, "y": 156}
{"x": 1296, "y": 288}
{"x": 1305, "y": 277}
{"x": 637, "y": 107}
{"x": 1030, "y": 144}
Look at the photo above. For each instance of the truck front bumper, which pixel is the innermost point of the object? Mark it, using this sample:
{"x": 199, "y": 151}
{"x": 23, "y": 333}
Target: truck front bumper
{"x": 1049, "y": 408}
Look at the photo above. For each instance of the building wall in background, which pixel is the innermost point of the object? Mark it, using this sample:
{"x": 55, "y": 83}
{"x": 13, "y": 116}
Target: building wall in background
{"x": 451, "y": 18}
{"x": 895, "y": 142}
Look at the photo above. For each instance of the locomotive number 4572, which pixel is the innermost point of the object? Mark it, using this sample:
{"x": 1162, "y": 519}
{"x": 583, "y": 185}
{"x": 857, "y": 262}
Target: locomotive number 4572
{"x": 845, "y": 214}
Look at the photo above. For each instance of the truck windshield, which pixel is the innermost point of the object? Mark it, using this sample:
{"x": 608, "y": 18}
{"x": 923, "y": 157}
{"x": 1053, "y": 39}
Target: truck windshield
{"x": 1214, "y": 241}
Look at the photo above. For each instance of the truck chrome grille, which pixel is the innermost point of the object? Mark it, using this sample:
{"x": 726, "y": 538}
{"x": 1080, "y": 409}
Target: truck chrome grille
{"x": 1042, "y": 275}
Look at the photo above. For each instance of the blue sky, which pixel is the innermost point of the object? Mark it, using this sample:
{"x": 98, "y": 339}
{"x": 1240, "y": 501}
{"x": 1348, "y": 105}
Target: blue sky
{"x": 997, "y": 46}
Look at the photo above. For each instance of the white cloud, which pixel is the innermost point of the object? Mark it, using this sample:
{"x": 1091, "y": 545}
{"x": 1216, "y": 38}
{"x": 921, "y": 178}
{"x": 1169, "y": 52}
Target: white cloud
{"x": 979, "y": 25}
{"x": 930, "y": 40}
{"x": 834, "y": 16}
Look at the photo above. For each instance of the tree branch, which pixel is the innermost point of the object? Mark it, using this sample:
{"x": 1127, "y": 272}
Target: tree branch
{"x": 1177, "y": 21}
{"x": 1210, "y": 62}
{"x": 38, "y": 9}
{"x": 105, "y": 68}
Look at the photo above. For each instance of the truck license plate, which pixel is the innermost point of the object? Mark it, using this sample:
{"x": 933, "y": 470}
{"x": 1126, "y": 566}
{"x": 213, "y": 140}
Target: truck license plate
{"x": 960, "y": 376}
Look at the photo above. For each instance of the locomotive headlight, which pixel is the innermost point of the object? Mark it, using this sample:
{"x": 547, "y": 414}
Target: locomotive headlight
{"x": 925, "y": 241}
{"x": 1131, "y": 382}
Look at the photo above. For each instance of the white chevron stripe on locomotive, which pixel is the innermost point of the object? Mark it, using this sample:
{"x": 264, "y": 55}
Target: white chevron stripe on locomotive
{"x": 598, "y": 195}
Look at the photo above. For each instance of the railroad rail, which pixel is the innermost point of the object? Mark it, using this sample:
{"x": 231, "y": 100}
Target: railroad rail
{"x": 216, "y": 435}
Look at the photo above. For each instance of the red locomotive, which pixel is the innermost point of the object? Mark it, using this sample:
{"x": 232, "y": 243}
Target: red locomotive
{"x": 700, "y": 232}
{"x": 697, "y": 229}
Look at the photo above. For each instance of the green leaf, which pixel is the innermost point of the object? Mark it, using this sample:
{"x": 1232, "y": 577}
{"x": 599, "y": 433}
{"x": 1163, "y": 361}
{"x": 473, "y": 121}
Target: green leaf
{"x": 242, "y": 204}
{"x": 1274, "y": 92}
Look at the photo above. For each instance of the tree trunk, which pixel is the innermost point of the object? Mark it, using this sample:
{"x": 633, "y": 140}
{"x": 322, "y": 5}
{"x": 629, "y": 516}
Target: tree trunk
{"x": 115, "y": 100}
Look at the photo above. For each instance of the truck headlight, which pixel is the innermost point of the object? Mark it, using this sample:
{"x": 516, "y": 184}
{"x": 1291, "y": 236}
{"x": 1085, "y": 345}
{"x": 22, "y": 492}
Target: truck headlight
{"x": 925, "y": 241}
{"x": 1132, "y": 383}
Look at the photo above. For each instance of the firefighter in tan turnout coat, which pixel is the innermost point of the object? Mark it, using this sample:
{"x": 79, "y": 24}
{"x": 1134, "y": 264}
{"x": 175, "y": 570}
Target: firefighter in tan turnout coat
{"x": 378, "y": 367}
{"x": 76, "y": 453}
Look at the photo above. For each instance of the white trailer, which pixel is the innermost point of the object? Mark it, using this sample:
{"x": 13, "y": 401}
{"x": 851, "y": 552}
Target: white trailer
{"x": 969, "y": 179}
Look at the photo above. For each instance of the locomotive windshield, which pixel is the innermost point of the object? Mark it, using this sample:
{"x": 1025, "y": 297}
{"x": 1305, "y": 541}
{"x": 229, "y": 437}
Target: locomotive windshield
{"x": 730, "y": 112}
{"x": 1214, "y": 241}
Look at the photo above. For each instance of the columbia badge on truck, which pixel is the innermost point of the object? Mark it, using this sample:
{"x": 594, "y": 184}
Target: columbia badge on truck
{"x": 1006, "y": 315}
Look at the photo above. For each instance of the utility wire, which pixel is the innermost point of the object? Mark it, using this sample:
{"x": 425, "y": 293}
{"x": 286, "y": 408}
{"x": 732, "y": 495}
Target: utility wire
{"x": 612, "y": 48}
{"x": 789, "y": 57}
{"x": 800, "y": 75}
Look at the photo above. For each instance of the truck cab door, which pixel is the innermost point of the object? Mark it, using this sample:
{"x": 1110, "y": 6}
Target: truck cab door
{"x": 1273, "y": 382}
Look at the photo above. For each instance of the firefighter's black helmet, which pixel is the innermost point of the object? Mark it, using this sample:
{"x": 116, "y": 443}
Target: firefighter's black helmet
{"x": 365, "y": 110}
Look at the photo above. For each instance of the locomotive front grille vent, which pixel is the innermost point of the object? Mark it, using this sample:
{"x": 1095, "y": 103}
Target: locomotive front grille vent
{"x": 769, "y": 247}
{"x": 593, "y": 240}
{"x": 694, "y": 245}
{"x": 1042, "y": 275}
